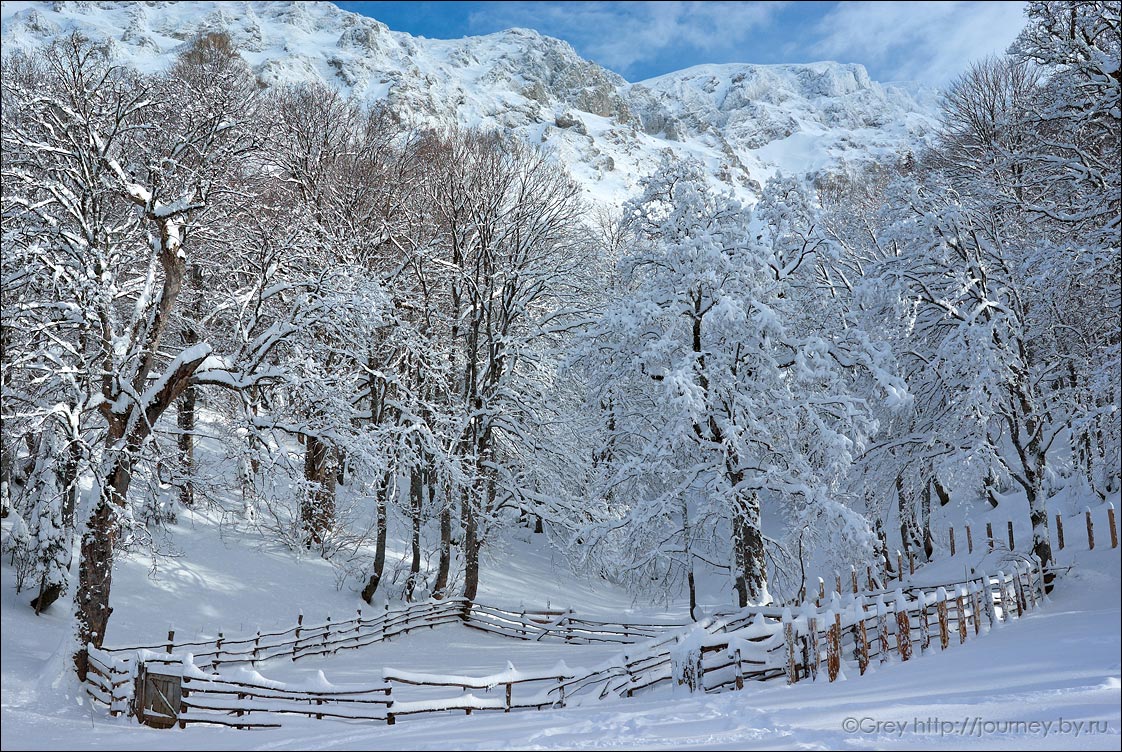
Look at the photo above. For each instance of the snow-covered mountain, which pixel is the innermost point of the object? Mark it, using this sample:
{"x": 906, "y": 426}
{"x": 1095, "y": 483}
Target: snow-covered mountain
{"x": 743, "y": 121}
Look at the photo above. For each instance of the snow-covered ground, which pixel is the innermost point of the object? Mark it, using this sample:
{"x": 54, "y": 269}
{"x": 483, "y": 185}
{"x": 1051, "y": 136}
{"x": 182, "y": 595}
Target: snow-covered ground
{"x": 1050, "y": 679}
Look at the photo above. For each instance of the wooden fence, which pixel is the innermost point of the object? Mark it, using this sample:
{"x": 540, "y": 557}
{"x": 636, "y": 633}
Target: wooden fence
{"x": 717, "y": 654}
{"x": 722, "y": 652}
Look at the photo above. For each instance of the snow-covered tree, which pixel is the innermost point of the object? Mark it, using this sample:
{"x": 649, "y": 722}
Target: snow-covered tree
{"x": 720, "y": 397}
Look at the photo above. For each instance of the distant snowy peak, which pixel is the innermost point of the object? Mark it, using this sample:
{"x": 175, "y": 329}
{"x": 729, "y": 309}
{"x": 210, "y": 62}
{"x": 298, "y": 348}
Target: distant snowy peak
{"x": 744, "y": 122}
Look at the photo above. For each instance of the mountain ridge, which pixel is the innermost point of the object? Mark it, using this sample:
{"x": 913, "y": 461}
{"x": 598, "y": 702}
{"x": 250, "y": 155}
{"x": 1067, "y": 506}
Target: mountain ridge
{"x": 796, "y": 118}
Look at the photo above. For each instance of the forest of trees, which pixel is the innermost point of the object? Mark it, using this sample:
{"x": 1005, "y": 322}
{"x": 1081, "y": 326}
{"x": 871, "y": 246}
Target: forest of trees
{"x": 384, "y": 330}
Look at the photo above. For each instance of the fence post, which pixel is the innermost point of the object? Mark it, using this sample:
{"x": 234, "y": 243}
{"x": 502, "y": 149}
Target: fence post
{"x": 1010, "y": 526}
{"x": 821, "y": 592}
{"x": 924, "y": 624}
{"x": 1019, "y": 590}
{"x": 1113, "y": 525}
{"x": 899, "y": 565}
{"x": 837, "y": 583}
{"x": 257, "y": 646}
{"x": 869, "y": 574}
{"x": 853, "y": 577}
{"x": 1030, "y": 590}
{"x": 952, "y": 540}
{"x": 882, "y": 629}
{"x": 299, "y": 626}
{"x": 903, "y": 627}
{"x": 911, "y": 561}
{"x": 508, "y": 691}
{"x": 171, "y": 640}
{"x": 1014, "y": 596}
{"x": 989, "y": 536}
{"x": 1090, "y": 532}
{"x": 815, "y": 655}
{"x": 987, "y": 600}
{"x": 522, "y": 621}
{"x": 960, "y": 604}
{"x": 861, "y": 636}
{"x": 969, "y": 541}
{"x": 941, "y": 609}
{"x": 326, "y": 634}
{"x": 974, "y": 610}
{"x": 358, "y": 623}
{"x": 739, "y": 671}
{"x": 217, "y": 650}
{"x": 833, "y": 645}
{"x": 1060, "y": 530}
{"x": 999, "y": 601}
{"x": 789, "y": 636}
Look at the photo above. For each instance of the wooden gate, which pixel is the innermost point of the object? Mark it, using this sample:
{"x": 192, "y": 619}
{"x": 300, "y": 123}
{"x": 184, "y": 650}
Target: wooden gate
{"x": 158, "y": 698}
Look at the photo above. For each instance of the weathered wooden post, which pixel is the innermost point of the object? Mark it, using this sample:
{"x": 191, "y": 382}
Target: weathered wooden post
{"x": 941, "y": 610}
{"x": 789, "y": 636}
{"x": 1060, "y": 530}
{"x": 989, "y": 536}
{"x": 1019, "y": 591}
{"x": 899, "y": 565}
{"x": 999, "y": 600}
{"x": 833, "y": 645}
{"x": 739, "y": 671}
{"x": 861, "y": 636}
{"x": 853, "y": 577}
{"x": 326, "y": 634}
{"x": 257, "y": 646}
{"x": 299, "y": 626}
{"x": 952, "y": 540}
{"x": 837, "y": 583}
{"x": 960, "y": 604}
{"x": 903, "y": 627}
{"x": 969, "y": 541}
{"x": 171, "y": 640}
{"x": 911, "y": 561}
{"x": 1012, "y": 547}
{"x": 882, "y": 629}
{"x": 987, "y": 600}
{"x": 821, "y": 592}
{"x": 974, "y": 610}
{"x": 869, "y": 574}
{"x": 924, "y": 624}
{"x": 1110, "y": 521}
{"x": 1011, "y": 596}
{"x": 509, "y": 686}
{"x": 218, "y": 650}
{"x": 815, "y": 654}
{"x": 1090, "y": 532}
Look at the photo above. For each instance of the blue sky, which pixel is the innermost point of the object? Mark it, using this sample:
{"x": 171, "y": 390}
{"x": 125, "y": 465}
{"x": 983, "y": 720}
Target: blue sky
{"x": 929, "y": 42}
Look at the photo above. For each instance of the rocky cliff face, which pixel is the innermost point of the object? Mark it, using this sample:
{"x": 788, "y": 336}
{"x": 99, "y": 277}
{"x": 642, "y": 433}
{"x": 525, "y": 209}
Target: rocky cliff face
{"x": 744, "y": 122}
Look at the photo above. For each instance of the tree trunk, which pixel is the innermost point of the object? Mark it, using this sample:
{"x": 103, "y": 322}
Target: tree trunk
{"x": 416, "y": 495}
{"x": 95, "y": 568}
{"x": 445, "y": 563}
{"x": 748, "y": 544}
{"x": 186, "y": 440}
{"x": 318, "y": 508}
{"x": 471, "y": 549}
{"x": 380, "y": 544}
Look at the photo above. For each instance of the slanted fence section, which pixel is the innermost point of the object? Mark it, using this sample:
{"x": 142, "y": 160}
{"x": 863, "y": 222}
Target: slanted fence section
{"x": 109, "y": 681}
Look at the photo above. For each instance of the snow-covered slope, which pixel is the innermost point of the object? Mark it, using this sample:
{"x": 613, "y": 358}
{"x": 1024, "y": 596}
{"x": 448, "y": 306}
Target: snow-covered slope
{"x": 743, "y": 121}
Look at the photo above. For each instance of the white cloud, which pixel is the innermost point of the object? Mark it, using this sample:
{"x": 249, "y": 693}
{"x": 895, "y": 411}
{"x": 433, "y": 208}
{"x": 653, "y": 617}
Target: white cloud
{"x": 931, "y": 42}
{"x": 622, "y": 35}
